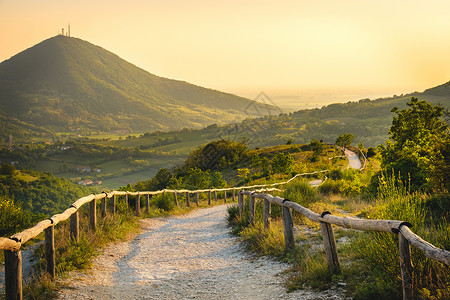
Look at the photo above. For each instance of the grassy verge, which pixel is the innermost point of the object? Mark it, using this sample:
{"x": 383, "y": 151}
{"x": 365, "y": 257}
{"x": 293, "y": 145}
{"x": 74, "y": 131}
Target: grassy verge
{"x": 369, "y": 260}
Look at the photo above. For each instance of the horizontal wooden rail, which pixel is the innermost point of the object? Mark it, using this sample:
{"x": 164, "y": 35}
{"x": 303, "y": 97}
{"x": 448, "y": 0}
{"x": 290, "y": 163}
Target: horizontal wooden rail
{"x": 9, "y": 244}
{"x": 406, "y": 236}
{"x": 428, "y": 249}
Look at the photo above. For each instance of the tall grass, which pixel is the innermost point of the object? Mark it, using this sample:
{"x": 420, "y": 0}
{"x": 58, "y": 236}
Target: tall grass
{"x": 301, "y": 192}
{"x": 431, "y": 279}
{"x": 72, "y": 255}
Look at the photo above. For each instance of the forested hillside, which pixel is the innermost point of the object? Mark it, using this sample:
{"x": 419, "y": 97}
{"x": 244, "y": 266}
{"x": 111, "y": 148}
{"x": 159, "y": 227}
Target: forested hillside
{"x": 39, "y": 192}
{"x": 65, "y": 84}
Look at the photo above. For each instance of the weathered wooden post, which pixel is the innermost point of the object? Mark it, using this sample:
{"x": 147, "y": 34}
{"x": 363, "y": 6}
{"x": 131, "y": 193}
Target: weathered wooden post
{"x": 92, "y": 215}
{"x": 75, "y": 226}
{"x": 234, "y": 194}
{"x": 103, "y": 206}
{"x": 50, "y": 251}
{"x": 147, "y": 201}
{"x": 288, "y": 225}
{"x": 241, "y": 204}
{"x": 329, "y": 244}
{"x": 215, "y": 195}
{"x": 112, "y": 204}
{"x": 225, "y": 196}
{"x": 406, "y": 266}
{"x": 266, "y": 214}
{"x": 188, "y": 204}
{"x": 176, "y": 198}
{"x": 251, "y": 209}
{"x": 13, "y": 275}
{"x": 209, "y": 197}
{"x": 126, "y": 199}
{"x": 138, "y": 205}
{"x": 196, "y": 198}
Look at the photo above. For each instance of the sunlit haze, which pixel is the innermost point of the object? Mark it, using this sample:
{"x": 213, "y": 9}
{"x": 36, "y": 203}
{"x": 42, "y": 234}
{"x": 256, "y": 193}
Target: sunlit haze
{"x": 299, "y": 52}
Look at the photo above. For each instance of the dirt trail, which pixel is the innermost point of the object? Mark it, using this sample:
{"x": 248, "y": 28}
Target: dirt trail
{"x": 186, "y": 257}
{"x": 353, "y": 159}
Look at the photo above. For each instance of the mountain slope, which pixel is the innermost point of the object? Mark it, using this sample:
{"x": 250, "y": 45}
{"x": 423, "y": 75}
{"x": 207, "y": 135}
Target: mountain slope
{"x": 66, "y": 81}
{"x": 368, "y": 120}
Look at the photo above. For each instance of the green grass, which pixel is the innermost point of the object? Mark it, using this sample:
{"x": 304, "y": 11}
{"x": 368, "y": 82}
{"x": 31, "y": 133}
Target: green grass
{"x": 369, "y": 260}
{"x": 430, "y": 218}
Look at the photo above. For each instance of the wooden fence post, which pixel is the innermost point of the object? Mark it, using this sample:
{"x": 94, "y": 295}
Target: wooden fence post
{"x": 288, "y": 225}
{"x": 241, "y": 204}
{"x": 103, "y": 205}
{"x": 196, "y": 198}
{"x": 225, "y": 196}
{"x": 209, "y": 197}
{"x": 75, "y": 226}
{"x": 406, "y": 266}
{"x": 138, "y": 205}
{"x": 329, "y": 244}
{"x": 126, "y": 200}
{"x": 266, "y": 214}
{"x": 234, "y": 194}
{"x": 92, "y": 215}
{"x": 188, "y": 204}
{"x": 13, "y": 275}
{"x": 252, "y": 207}
{"x": 176, "y": 198}
{"x": 50, "y": 251}
{"x": 112, "y": 205}
{"x": 147, "y": 201}
{"x": 215, "y": 195}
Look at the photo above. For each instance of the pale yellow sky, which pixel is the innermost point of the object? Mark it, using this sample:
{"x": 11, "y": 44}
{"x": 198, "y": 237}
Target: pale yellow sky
{"x": 244, "y": 46}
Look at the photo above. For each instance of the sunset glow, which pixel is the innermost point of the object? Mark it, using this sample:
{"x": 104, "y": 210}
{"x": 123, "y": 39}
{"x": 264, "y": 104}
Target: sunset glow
{"x": 246, "y": 46}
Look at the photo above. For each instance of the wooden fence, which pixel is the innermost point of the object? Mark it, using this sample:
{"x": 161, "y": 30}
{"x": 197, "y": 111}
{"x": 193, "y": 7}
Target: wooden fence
{"x": 406, "y": 236}
{"x": 12, "y": 245}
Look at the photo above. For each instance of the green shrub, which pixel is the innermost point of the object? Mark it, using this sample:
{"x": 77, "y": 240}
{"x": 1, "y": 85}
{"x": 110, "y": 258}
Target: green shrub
{"x": 335, "y": 174}
{"x": 330, "y": 187}
{"x": 13, "y": 218}
{"x": 301, "y": 192}
{"x": 164, "y": 201}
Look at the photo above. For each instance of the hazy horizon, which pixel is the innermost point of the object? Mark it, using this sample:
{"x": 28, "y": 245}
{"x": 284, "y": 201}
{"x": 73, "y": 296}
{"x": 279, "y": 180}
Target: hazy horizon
{"x": 298, "y": 52}
{"x": 295, "y": 99}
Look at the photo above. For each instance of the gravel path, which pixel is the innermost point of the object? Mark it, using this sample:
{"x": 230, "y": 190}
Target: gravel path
{"x": 185, "y": 257}
{"x": 353, "y": 159}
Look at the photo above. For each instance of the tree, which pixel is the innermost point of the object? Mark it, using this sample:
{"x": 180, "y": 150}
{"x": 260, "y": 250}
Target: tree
{"x": 282, "y": 163}
{"x": 316, "y": 147}
{"x": 197, "y": 178}
{"x": 344, "y": 140}
{"x": 216, "y": 180}
{"x": 243, "y": 172}
{"x": 216, "y": 155}
{"x": 419, "y": 145}
{"x": 265, "y": 164}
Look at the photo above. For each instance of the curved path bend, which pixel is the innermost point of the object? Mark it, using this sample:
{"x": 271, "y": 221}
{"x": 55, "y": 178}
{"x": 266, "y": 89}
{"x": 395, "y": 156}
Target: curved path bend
{"x": 353, "y": 160}
{"x": 184, "y": 257}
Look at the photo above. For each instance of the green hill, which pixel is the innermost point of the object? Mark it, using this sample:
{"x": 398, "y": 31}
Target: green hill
{"x": 40, "y": 192}
{"x": 66, "y": 83}
{"x": 368, "y": 120}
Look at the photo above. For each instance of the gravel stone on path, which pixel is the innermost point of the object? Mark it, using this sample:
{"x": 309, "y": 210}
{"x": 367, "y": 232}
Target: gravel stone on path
{"x": 184, "y": 257}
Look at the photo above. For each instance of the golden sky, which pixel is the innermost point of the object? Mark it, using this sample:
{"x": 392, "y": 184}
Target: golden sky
{"x": 395, "y": 45}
